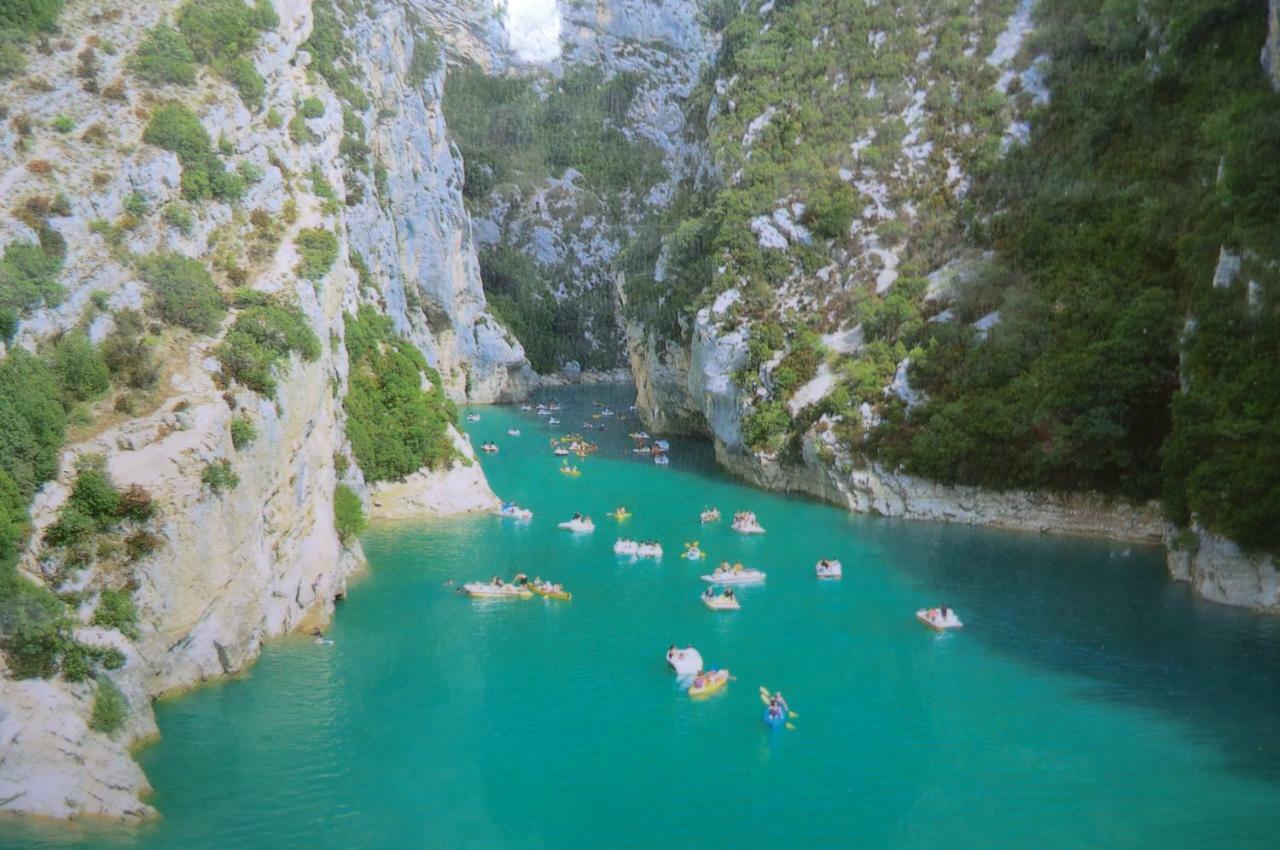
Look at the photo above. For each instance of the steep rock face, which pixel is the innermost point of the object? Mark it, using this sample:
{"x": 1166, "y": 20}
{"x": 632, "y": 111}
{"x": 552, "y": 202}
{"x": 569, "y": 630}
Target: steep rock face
{"x": 262, "y": 557}
{"x": 417, "y": 236}
{"x": 1220, "y": 571}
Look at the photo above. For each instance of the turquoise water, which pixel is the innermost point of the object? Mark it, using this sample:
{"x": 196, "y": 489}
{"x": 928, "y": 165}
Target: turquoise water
{"x": 1088, "y": 701}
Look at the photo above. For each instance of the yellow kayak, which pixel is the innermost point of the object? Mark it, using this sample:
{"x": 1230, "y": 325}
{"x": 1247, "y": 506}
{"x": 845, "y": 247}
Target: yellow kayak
{"x": 708, "y": 683}
{"x": 620, "y": 515}
{"x": 551, "y": 594}
{"x": 571, "y": 471}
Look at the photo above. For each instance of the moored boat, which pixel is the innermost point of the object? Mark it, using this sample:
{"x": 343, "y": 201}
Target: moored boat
{"x": 579, "y": 525}
{"x": 489, "y": 590}
{"x": 711, "y": 515}
{"x": 736, "y": 574}
{"x": 745, "y": 522}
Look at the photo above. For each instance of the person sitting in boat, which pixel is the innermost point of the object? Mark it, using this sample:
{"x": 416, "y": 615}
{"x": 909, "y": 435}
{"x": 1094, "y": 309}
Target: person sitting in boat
{"x": 777, "y": 704}
{"x": 723, "y": 568}
{"x": 737, "y": 568}
{"x": 943, "y": 612}
{"x": 577, "y": 517}
{"x": 728, "y": 593}
{"x": 709, "y": 593}
{"x": 520, "y": 578}
{"x": 495, "y": 581}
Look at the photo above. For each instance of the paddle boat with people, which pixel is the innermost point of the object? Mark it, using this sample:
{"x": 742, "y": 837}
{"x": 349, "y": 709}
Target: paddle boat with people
{"x": 513, "y": 432}
{"x": 526, "y": 407}
{"x": 510, "y": 510}
{"x": 560, "y": 451}
{"x": 496, "y": 588}
{"x": 629, "y": 548}
{"x": 707, "y": 683}
{"x": 685, "y": 662}
{"x": 473, "y": 417}
{"x": 548, "y": 590}
{"x": 726, "y": 600}
{"x": 829, "y": 568}
{"x": 736, "y": 574}
{"x": 489, "y": 448}
{"x": 745, "y": 522}
{"x": 553, "y": 421}
{"x": 692, "y": 552}
{"x": 579, "y": 524}
{"x": 710, "y": 515}
{"x": 661, "y": 460}
{"x": 649, "y": 549}
{"x": 639, "y": 435}
{"x": 940, "y": 618}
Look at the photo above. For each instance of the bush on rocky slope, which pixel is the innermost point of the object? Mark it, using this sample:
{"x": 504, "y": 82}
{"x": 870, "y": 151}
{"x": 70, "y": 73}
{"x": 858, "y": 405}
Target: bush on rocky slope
{"x": 395, "y": 427}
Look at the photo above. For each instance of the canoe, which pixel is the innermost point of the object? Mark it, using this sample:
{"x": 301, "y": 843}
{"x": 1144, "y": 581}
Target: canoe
{"x": 551, "y": 594}
{"x": 485, "y": 590}
{"x": 774, "y": 721}
{"x": 709, "y": 683}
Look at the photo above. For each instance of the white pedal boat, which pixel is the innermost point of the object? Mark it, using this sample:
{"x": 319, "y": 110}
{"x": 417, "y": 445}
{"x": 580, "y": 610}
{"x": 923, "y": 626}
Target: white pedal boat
{"x": 661, "y": 460}
{"x": 746, "y": 523}
{"x": 649, "y": 550}
{"x": 579, "y": 525}
{"x": 624, "y": 546}
{"x": 513, "y": 432}
{"x": 488, "y": 590}
{"x": 686, "y": 662}
{"x": 828, "y": 569}
{"x": 473, "y": 417}
{"x": 735, "y": 577}
{"x": 511, "y": 510}
{"x": 721, "y": 603}
{"x": 935, "y": 619}
{"x": 712, "y": 515}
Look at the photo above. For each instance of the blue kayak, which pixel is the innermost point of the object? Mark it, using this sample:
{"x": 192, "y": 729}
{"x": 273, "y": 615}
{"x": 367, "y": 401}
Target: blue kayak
{"x": 774, "y": 721}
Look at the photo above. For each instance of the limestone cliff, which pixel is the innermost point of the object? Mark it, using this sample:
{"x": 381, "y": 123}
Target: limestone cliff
{"x": 230, "y": 565}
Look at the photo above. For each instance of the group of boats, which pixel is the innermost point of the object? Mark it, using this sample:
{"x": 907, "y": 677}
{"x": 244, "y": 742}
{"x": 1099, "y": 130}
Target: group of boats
{"x": 637, "y": 549}
{"x": 657, "y": 450}
{"x": 520, "y": 587}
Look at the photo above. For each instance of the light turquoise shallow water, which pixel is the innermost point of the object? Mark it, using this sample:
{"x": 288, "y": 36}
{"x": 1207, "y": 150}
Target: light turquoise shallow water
{"x": 1088, "y": 701}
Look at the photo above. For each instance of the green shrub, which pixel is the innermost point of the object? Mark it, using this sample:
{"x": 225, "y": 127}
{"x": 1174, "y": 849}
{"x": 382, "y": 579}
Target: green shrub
{"x": 164, "y": 58}
{"x": 137, "y": 205}
{"x": 79, "y": 367}
{"x": 176, "y": 128}
{"x": 8, "y": 324}
{"x": 178, "y": 216}
{"x": 425, "y": 60}
{"x": 244, "y": 76}
{"x": 29, "y": 276}
{"x": 110, "y": 708}
{"x": 311, "y": 107}
{"x": 12, "y": 60}
{"x": 64, "y": 124}
{"x": 185, "y": 293}
{"x": 116, "y": 610}
{"x": 348, "y": 513}
{"x": 259, "y": 339}
{"x": 766, "y": 427}
{"x": 93, "y": 494}
{"x": 830, "y": 210}
{"x": 395, "y": 427}
{"x": 32, "y": 421}
{"x": 219, "y": 476}
{"x": 329, "y": 49}
{"x": 127, "y": 353}
{"x": 318, "y": 249}
{"x": 242, "y": 432}
{"x": 274, "y": 119}
{"x": 34, "y": 626}
{"x": 135, "y": 504}
{"x": 30, "y": 16}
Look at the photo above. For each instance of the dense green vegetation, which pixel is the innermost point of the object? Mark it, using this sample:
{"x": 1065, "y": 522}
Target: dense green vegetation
{"x": 317, "y": 250}
{"x": 116, "y": 611}
{"x": 261, "y": 337}
{"x": 27, "y": 17}
{"x": 220, "y": 32}
{"x": 219, "y": 475}
{"x": 348, "y": 513}
{"x": 1108, "y": 227}
{"x": 164, "y": 58}
{"x": 394, "y": 425}
{"x": 29, "y": 275}
{"x": 184, "y": 291}
{"x": 176, "y": 128}
{"x": 110, "y": 708}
